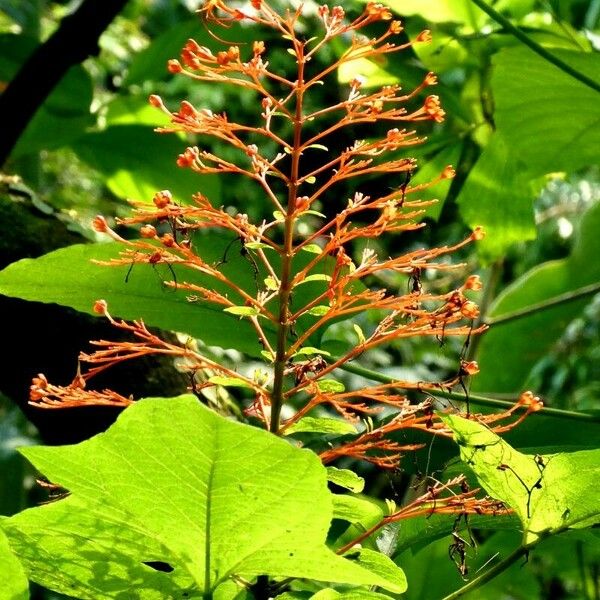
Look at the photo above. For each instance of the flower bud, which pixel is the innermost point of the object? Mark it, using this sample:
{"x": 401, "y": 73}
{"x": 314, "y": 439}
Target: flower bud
{"x": 470, "y": 310}
{"x": 100, "y": 307}
{"x": 162, "y": 199}
{"x": 473, "y": 282}
{"x": 148, "y": 231}
{"x": 99, "y": 224}
{"x": 478, "y": 234}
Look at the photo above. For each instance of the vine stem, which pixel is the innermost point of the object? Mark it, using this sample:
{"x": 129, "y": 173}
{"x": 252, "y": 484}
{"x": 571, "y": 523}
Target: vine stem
{"x": 504, "y": 564}
{"x": 490, "y": 573}
{"x": 285, "y": 288}
{"x": 565, "y": 298}
{"x": 473, "y": 399}
{"x": 540, "y": 50}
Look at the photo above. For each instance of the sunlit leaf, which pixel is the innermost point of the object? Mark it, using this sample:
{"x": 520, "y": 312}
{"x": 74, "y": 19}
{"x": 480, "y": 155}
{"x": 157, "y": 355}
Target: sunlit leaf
{"x": 549, "y": 493}
{"x": 229, "y": 381}
{"x": 346, "y": 478}
{"x": 497, "y": 196}
{"x": 331, "y": 386}
{"x": 12, "y": 576}
{"x": 174, "y": 500}
{"x": 138, "y": 162}
{"x": 321, "y": 425}
{"x": 242, "y": 311}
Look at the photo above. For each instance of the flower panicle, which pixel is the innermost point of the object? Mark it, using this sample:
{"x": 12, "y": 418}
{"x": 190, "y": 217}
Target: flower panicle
{"x": 268, "y": 156}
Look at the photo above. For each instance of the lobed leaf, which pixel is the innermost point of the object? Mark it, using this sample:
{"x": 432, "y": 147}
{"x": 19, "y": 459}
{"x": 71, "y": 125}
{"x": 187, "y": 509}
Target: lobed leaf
{"x": 173, "y": 501}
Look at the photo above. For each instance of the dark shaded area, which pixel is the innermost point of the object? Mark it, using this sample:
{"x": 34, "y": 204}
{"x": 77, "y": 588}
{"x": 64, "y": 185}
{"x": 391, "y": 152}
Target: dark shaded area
{"x": 159, "y": 565}
{"x": 75, "y": 40}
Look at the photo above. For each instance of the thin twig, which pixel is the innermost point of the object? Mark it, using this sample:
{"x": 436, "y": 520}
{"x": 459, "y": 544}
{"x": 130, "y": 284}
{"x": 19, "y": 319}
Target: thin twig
{"x": 571, "y": 296}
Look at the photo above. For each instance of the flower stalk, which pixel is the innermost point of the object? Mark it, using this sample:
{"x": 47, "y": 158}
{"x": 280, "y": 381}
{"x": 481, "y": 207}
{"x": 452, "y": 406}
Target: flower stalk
{"x": 288, "y": 321}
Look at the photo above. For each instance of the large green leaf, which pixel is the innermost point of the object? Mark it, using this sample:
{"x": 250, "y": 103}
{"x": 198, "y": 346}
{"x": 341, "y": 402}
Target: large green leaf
{"x": 13, "y": 581}
{"x": 134, "y": 110}
{"x": 330, "y": 594}
{"x": 66, "y": 112}
{"x": 174, "y": 500}
{"x": 498, "y": 197}
{"x": 549, "y": 119}
{"x": 68, "y": 277}
{"x": 549, "y": 493}
{"x": 520, "y": 343}
{"x": 137, "y": 162}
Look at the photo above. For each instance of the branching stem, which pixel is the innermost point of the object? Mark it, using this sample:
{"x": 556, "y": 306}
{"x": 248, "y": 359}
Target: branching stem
{"x": 285, "y": 288}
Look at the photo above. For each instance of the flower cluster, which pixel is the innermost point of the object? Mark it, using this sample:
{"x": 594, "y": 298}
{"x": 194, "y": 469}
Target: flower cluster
{"x": 298, "y": 377}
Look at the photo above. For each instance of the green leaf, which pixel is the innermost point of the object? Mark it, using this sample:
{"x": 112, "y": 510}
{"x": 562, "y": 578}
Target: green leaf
{"x": 174, "y": 500}
{"x": 497, "y": 196}
{"x": 257, "y": 246}
{"x": 271, "y": 283}
{"x": 331, "y": 386}
{"x": 268, "y": 355}
{"x": 549, "y": 493}
{"x": 65, "y": 113}
{"x": 151, "y": 63}
{"x": 229, "y": 381}
{"x": 14, "y": 581}
{"x": 310, "y": 351}
{"x": 548, "y": 118}
{"x": 359, "y": 333}
{"x": 321, "y": 425}
{"x": 319, "y": 311}
{"x": 418, "y": 532}
{"x": 383, "y": 565}
{"x": 356, "y": 510}
{"x": 346, "y": 479}
{"x": 522, "y": 342}
{"x": 315, "y": 277}
{"x": 71, "y": 279}
{"x": 314, "y": 213}
{"x": 134, "y": 110}
{"x": 331, "y": 594}
{"x": 312, "y": 248}
{"x": 138, "y": 162}
{"x": 242, "y": 311}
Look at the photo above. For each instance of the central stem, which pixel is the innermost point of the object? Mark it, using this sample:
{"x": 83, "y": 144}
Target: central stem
{"x": 285, "y": 289}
